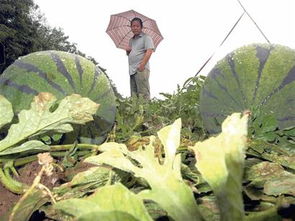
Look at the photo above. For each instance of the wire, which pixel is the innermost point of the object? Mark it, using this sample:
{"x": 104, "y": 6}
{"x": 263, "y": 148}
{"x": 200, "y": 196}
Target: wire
{"x": 206, "y": 62}
{"x": 254, "y": 22}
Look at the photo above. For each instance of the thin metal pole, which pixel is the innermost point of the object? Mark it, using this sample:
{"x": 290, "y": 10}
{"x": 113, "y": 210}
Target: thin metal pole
{"x": 254, "y": 22}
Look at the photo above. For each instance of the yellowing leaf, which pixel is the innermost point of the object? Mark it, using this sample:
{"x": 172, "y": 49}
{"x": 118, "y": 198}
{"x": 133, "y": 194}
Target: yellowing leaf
{"x": 220, "y": 160}
{"x": 6, "y": 112}
{"x": 166, "y": 185}
{"x": 40, "y": 119}
{"x": 114, "y": 198}
{"x": 170, "y": 138}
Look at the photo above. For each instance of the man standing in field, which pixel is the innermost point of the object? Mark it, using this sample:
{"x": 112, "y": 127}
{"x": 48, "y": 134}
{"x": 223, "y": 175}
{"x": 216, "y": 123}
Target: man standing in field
{"x": 140, "y": 49}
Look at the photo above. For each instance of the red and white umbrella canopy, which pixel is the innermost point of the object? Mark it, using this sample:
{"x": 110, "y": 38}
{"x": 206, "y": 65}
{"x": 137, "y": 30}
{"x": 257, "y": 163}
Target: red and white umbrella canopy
{"x": 120, "y": 31}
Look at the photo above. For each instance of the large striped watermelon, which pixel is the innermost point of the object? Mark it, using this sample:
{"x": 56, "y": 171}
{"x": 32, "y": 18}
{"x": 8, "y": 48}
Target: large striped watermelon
{"x": 61, "y": 74}
{"x": 257, "y": 77}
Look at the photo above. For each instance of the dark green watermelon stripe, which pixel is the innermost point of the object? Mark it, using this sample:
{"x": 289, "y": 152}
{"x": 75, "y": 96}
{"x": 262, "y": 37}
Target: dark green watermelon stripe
{"x": 104, "y": 94}
{"x": 207, "y": 93}
{"x": 62, "y": 69}
{"x": 210, "y": 114}
{"x": 217, "y": 73}
{"x": 290, "y": 78}
{"x": 31, "y": 68}
{"x": 236, "y": 77}
{"x": 212, "y": 117}
{"x": 97, "y": 72}
{"x": 22, "y": 88}
{"x": 262, "y": 54}
{"x": 287, "y": 80}
{"x": 79, "y": 68}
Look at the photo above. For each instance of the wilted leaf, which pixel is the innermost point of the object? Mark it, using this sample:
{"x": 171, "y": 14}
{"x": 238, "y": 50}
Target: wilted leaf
{"x": 76, "y": 207}
{"x": 287, "y": 161}
{"x": 170, "y": 138}
{"x": 166, "y": 185}
{"x": 280, "y": 185}
{"x": 220, "y": 160}
{"x": 39, "y": 119}
{"x": 107, "y": 216}
{"x": 6, "y": 112}
{"x": 209, "y": 208}
{"x": 32, "y": 146}
{"x": 94, "y": 174}
{"x": 113, "y": 156}
{"x": 118, "y": 198}
{"x": 106, "y": 199}
{"x": 29, "y": 205}
{"x": 264, "y": 171}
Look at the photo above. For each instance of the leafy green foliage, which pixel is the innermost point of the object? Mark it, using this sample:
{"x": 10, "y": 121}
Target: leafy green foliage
{"x": 108, "y": 199}
{"x": 72, "y": 109}
{"x": 28, "y": 206}
{"x": 40, "y": 120}
{"x": 6, "y": 113}
{"x": 267, "y": 129}
{"x": 161, "y": 175}
{"x": 136, "y": 117}
{"x": 166, "y": 185}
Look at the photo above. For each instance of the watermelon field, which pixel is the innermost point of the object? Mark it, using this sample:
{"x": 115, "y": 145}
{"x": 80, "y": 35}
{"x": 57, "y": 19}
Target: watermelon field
{"x": 220, "y": 148}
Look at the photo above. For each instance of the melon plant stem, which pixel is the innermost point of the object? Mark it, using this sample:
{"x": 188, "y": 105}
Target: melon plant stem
{"x": 69, "y": 146}
{"x": 11, "y": 184}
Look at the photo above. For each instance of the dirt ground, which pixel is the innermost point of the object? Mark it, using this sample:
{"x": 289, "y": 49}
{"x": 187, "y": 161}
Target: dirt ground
{"x": 26, "y": 175}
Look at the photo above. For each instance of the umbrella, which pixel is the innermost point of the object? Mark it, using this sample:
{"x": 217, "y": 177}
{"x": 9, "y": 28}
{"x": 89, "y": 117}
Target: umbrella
{"x": 120, "y": 31}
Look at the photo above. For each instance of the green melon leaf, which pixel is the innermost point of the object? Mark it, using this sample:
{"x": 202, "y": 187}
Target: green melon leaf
{"x": 280, "y": 185}
{"x": 114, "y": 198}
{"x": 259, "y": 173}
{"x": 25, "y": 208}
{"x": 107, "y": 216}
{"x": 32, "y": 146}
{"x": 6, "y": 112}
{"x": 40, "y": 120}
{"x": 76, "y": 207}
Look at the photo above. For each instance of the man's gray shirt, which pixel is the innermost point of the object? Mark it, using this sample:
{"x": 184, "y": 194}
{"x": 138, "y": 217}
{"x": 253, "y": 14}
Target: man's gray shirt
{"x": 139, "y": 44}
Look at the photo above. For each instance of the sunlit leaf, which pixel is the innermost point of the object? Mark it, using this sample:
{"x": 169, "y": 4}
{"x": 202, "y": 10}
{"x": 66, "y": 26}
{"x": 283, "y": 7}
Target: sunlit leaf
{"x": 170, "y": 138}
{"x": 166, "y": 185}
{"x": 33, "y": 146}
{"x": 280, "y": 185}
{"x": 28, "y": 206}
{"x": 107, "y": 216}
{"x": 6, "y": 112}
{"x": 260, "y": 173}
{"x": 220, "y": 160}
{"x": 76, "y": 207}
{"x": 39, "y": 119}
{"x": 106, "y": 199}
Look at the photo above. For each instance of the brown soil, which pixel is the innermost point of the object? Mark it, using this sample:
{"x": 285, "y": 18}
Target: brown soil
{"x": 26, "y": 175}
